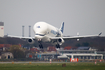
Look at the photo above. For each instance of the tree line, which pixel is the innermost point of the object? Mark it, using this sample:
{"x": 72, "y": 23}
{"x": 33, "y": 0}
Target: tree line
{"x": 98, "y": 42}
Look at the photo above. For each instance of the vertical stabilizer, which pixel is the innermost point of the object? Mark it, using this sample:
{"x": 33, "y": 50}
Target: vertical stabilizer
{"x": 62, "y": 27}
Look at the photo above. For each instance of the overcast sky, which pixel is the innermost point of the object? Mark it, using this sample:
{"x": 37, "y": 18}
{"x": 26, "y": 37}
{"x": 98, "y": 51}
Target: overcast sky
{"x": 83, "y": 16}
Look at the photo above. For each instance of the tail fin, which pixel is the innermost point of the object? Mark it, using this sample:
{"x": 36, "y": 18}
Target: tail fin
{"x": 62, "y": 27}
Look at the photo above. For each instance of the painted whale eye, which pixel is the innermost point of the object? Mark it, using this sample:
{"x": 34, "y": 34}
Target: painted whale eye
{"x": 38, "y": 26}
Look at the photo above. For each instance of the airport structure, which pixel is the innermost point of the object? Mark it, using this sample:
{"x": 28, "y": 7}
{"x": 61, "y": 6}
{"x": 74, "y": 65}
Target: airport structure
{"x": 72, "y": 54}
{"x": 80, "y": 54}
{"x": 29, "y": 31}
{"x": 48, "y": 56}
{"x": 22, "y": 31}
{"x": 1, "y": 29}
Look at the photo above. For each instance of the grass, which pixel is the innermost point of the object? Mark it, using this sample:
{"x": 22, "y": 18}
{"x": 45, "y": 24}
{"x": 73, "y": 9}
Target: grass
{"x": 53, "y": 66}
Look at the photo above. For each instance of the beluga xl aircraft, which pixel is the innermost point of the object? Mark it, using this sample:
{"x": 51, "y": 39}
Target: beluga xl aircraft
{"x": 45, "y": 32}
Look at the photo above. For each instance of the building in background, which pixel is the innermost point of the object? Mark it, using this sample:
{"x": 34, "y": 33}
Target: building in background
{"x": 1, "y": 29}
{"x": 6, "y": 55}
{"x": 80, "y": 54}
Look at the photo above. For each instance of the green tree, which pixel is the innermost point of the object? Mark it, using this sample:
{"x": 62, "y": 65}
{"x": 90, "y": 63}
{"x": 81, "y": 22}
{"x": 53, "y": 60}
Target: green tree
{"x": 17, "y": 51}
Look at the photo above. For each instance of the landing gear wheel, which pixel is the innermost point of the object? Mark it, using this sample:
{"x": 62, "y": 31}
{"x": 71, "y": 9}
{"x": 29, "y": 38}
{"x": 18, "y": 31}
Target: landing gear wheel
{"x": 57, "y": 46}
{"x": 41, "y": 46}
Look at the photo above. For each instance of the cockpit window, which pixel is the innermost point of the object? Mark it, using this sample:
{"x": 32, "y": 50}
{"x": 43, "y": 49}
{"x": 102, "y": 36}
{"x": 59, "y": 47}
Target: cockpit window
{"x": 38, "y": 26}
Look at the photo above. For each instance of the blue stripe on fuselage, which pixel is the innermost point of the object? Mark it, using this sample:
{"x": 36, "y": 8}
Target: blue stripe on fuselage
{"x": 55, "y": 33}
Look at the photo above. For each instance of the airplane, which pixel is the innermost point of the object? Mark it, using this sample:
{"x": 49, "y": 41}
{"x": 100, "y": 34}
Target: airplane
{"x": 45, "y": 32}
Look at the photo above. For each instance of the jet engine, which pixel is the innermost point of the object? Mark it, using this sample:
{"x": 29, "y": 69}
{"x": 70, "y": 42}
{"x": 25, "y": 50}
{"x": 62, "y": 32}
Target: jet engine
{"x": 60, "y": 41}
{"x": 30, "y": 41}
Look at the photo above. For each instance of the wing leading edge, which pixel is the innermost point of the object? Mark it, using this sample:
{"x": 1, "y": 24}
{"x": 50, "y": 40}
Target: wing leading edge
{"x": 20, "y": 37}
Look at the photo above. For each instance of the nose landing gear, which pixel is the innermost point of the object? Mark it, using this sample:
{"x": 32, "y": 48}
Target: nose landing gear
{"x": 57, "y": 46}
{"x": 40, "y": 46}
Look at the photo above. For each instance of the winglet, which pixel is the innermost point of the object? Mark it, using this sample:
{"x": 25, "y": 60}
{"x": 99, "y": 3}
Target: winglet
{"x": 62, "y": 27}
{"x": 99, "y": 34}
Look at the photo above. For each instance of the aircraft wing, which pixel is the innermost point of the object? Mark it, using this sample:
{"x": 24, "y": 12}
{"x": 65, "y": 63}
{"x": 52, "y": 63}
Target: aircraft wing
{"x": 20, "y": 37}
{"x": 76, "y": 37}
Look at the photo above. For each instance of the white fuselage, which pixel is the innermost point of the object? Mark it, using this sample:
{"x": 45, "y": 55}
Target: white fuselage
{"x": 43, "y": 31}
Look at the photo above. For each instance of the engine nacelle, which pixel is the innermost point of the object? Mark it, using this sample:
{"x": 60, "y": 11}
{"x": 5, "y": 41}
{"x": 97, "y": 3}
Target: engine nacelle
{"x": 30, "y": 41}
{"x": 60, "y": 41}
